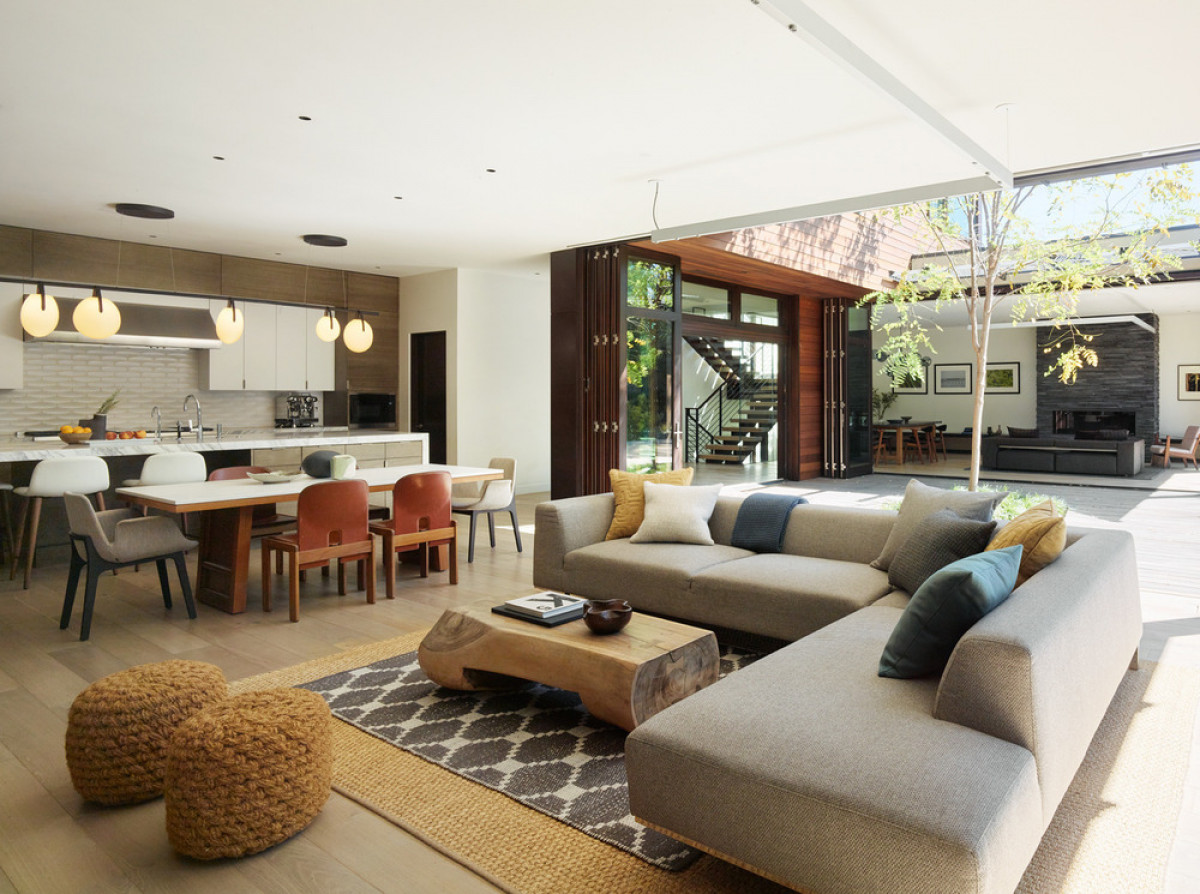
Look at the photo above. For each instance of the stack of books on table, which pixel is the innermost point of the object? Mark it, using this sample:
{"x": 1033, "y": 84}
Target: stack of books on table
{"x": 547, "y": 606}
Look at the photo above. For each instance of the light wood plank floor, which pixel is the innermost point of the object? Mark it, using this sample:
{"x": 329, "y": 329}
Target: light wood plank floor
{"x": 52, "y": 842}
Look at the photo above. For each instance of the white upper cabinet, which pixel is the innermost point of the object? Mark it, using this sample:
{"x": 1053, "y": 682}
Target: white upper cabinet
{"x": 319, "y": 355}
{"x": 12, "y": 345}
{"x": 291, "y": 349}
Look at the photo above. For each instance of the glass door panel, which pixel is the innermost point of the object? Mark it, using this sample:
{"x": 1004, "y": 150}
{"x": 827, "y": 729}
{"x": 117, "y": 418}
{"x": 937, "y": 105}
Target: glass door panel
{"x": 649, "y": 394}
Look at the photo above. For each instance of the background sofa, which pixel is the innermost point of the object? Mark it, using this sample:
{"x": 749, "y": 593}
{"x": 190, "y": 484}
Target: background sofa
{"x": 1064, "y": 454}
{"x": 809, "y": 768}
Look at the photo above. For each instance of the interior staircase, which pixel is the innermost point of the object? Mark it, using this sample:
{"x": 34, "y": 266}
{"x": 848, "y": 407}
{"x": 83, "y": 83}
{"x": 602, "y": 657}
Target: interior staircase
{"x": 752, "y": 403}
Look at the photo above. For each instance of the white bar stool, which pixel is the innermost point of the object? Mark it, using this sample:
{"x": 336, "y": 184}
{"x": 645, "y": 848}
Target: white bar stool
{"x": 170, "y": 468}
{"x": 6, "y": 545}
{"x": 53, "y": 478}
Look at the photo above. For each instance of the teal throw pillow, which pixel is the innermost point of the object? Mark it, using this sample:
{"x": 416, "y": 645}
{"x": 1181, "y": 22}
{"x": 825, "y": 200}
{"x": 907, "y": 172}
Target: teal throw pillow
{"x": 944, "y": 608}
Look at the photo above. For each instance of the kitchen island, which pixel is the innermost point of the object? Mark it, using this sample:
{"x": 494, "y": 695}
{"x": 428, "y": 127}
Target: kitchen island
{"x": 276, "y": 449}
{"x": 14, "y": 450}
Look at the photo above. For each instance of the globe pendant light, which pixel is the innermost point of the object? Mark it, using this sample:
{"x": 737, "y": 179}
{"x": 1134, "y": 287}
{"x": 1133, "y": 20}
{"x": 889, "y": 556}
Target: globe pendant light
{"x": 96, "y": 318}
{"x": 328, "y": 328}
{"x": 358, "y": 335}
{"x": 39, "y": 313}
{"x": 230, "y": 323}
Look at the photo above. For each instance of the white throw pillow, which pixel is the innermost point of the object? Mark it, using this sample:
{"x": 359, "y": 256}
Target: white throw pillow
{"x": 677, "y": 514}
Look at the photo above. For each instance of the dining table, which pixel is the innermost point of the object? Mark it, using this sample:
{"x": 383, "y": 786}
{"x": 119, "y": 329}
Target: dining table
{"x": 900, "y": 428}
{"x": 227, "y": 509}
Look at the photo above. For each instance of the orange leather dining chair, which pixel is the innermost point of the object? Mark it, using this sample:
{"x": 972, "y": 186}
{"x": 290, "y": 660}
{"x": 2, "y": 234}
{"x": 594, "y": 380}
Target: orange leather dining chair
{"x": 420, "y": 519}
{"x": 331, "y": 523}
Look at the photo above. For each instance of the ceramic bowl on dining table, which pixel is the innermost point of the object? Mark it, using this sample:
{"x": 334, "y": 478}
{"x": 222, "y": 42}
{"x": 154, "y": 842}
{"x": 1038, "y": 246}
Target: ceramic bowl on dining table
{"x": 274, "y": 477}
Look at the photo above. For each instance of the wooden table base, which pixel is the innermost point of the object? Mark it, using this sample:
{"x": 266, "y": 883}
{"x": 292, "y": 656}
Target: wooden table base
{"x": 623, "y": 679}
{"x": 224, "y": 558}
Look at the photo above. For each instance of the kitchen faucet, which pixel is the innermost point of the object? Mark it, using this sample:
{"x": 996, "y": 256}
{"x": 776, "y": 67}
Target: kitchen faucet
{"x": 199, "y": 415}
{"x": 157, "y": 414}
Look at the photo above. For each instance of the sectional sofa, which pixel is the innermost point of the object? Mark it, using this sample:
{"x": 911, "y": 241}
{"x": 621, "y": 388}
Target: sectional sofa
{"x": 809, "y": 768}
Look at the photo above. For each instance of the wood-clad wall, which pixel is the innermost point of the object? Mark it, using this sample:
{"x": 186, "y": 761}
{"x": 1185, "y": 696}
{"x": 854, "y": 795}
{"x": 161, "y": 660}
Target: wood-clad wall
{"x": 62, "y": 257}
{"x": 811, "y": 387}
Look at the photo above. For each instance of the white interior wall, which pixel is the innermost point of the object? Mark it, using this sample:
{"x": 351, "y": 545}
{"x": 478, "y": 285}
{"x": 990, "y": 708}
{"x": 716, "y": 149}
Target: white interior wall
{"x": 1178, "y": 344}
{"x": 429, "y": 303}
{"x": 503, "y": 380}
{"x": 953, "y": 345}
{"x": 699, "y": 378}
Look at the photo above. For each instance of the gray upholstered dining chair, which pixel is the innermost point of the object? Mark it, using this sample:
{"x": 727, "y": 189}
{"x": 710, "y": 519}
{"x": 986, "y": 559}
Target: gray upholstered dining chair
{"x": 500, "y": 495}
{"x": 114, "y": 538}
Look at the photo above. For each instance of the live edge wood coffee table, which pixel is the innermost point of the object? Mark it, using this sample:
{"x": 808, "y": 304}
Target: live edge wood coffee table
{"x": 623, "y": 678}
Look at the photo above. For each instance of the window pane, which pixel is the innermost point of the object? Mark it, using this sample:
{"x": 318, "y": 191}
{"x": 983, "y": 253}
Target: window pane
{"x": 648, "y": 407}
{"x": 650, "y": 285}
{"x": 706, "y": 301}
{"x": 760, "y": 309}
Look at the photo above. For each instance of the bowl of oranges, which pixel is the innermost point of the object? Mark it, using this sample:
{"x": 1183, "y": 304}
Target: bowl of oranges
{"x": 75, "y": 434}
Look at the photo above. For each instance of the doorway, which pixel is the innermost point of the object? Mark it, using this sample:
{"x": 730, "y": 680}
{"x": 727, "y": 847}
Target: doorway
{"x": 427, "y": 390}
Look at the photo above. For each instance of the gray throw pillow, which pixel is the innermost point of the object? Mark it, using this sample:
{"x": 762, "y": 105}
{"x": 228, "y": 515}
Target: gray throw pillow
{"x": 921, "y": 501}
{"x": 943, "y": 538}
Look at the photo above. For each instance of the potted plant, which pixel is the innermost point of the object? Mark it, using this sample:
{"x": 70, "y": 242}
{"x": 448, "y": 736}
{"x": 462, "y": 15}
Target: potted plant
{"x": 881, "y": 401}
{"x": 99, "y": 421}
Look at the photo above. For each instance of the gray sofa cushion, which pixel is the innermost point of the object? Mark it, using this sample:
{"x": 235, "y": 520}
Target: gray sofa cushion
{"x": 783, "y": 596}
{"x": 920, "y": 501}
{"x": 815, "y": 771}
{"x": 652, "y": 576}
{"x": 817, "y": 530}
{"x": 942, "y": 538}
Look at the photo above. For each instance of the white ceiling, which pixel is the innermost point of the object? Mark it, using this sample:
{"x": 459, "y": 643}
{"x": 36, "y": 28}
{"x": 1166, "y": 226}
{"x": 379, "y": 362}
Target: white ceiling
{"x": 577, "y": 106}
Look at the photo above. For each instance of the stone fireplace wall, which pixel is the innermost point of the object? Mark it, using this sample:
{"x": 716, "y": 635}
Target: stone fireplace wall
{"x": 1125, "y": 379}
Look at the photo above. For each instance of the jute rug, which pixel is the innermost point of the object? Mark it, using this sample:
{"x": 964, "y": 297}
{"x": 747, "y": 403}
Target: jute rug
{"x": 1113, "y": 831}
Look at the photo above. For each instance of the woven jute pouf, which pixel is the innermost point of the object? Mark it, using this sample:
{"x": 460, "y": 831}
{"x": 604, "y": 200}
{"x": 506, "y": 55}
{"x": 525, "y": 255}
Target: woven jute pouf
{"x": 248, "y": 773}
{"x": 118, "y": 728}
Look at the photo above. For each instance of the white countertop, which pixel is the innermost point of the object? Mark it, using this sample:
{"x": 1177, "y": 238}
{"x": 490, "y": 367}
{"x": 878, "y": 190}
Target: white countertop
{"x": 26, "y": 450}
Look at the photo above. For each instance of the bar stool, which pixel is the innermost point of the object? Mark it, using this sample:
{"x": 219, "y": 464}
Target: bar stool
{"x": 170, "y": 468}
{"x": 6, "y": 545}
{"x": 53, "y": 478}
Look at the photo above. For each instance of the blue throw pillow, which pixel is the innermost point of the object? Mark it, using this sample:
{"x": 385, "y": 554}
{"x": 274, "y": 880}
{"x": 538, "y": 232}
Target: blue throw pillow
{"x": 944, "y": 608}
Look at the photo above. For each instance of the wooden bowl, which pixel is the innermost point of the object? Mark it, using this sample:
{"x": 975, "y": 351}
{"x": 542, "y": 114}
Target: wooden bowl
{"x": 604, "y": 616}
{"x": 81, "y": 437}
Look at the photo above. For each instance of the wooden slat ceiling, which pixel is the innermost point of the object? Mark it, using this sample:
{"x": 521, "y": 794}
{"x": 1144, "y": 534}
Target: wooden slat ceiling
{"x": 833, "y": 257}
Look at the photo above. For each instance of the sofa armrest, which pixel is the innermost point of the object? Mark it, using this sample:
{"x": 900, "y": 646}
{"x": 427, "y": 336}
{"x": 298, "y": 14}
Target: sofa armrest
{"x": 1041, "y": 669}
{"x": 565, "y": 525}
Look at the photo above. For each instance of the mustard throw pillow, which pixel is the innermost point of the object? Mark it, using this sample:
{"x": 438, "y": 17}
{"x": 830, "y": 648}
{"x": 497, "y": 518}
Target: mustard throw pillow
{"x": 629, "y": 501}
{"x": 1042, "y": 533}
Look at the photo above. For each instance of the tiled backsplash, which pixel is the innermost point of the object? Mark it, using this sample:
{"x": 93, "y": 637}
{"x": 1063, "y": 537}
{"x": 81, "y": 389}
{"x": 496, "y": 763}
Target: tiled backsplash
{"x": 65, "y": 383}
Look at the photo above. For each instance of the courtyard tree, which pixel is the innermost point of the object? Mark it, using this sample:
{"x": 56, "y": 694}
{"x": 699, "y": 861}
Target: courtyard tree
{"x": 1030, "y": 253}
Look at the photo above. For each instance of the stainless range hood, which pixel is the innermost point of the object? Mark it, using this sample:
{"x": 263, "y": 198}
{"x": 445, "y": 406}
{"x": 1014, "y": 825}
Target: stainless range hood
{"x": 143, "y": 325}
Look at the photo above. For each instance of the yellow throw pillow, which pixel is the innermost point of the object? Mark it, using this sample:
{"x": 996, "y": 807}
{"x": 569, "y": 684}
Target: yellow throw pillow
{"x": 1042, "y": 535}
{"x": 629, "y": 497}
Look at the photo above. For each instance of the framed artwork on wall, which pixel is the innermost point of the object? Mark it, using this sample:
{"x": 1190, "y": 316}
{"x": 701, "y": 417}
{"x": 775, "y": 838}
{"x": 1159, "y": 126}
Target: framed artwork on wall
{"x": 952, "y": 378}
{"x": 910, "y": 384}
{"x": 1003, "y": 378}
{"x": 1189, "y": 381}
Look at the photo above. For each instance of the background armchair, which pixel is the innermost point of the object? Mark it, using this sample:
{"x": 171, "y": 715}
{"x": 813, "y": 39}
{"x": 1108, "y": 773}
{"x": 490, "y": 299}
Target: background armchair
{"x": 1185, "y": 449}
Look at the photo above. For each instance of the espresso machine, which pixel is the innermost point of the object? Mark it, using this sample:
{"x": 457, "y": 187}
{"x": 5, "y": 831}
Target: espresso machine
{"x": 296, "y": 410}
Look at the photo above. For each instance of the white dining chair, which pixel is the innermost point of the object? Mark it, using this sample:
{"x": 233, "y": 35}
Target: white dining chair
{"x": 53, "y": 478}
{"x": 489, "y": 497}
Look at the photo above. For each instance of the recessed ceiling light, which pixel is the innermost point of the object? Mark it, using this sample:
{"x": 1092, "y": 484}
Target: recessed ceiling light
{"x": 152, "y": 236}
{"x": 305, "y": 118}
{"x": 150, "y": 212}
{"x": 219, "y": 157}
{"x": 324, "y": 240}
{"x": 491, "y": 170}
{"x": 397, "y": 197}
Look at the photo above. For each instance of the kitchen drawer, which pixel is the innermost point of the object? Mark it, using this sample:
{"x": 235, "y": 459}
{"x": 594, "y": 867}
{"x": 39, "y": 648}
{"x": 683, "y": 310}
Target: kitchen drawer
{"x": 403, "y": 461}
{"x": 366, "y": 452}
{"x": 408, "y": 450}
{"x": 336, "y": 448}
{"x": 277, "y": 459}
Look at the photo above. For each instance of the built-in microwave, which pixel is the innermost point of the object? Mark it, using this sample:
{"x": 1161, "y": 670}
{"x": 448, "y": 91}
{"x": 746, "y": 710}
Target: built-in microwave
{"x": 372, "y": 410}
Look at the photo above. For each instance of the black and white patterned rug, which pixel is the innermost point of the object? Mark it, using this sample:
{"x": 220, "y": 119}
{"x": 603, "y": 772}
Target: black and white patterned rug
{"x": 536, "y": 744}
